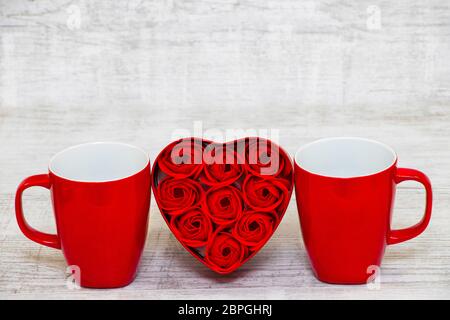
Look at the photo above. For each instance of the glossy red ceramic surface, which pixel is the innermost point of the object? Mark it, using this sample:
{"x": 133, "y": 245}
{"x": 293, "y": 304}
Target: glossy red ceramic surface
{"x": 346, "y": 222}
{"x": 101, "y": 226}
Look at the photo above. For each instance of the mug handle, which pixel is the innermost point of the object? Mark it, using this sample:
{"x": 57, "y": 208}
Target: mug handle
{"x": 403, "y": 174}
{"x": 46, "y": 239}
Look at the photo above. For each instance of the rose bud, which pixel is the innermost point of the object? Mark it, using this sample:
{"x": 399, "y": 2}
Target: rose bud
{"x": 223, "y": 204}
{"x": 222, "y": 165}
{"x": 193, "y": 227}
{"x": 263, "y": 158}
{"x": 224, "y": 252}
{"x": 265, "y": 194}
{"x": 176, "y": 195}
{"x": 254, "y": 228}
{"x": 184, "y": 158}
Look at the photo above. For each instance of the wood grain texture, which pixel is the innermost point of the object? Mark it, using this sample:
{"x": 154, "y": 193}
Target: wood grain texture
{"x": 136, "y": 71}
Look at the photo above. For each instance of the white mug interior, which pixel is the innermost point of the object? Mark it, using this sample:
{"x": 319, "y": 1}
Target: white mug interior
{"x": 345, "y": 157}
{"x": 98, "y": 162}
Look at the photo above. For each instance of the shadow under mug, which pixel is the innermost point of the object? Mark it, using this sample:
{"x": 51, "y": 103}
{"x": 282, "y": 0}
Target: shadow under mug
{"x": 101, "y": 197}
{"x": 345, "y": 190}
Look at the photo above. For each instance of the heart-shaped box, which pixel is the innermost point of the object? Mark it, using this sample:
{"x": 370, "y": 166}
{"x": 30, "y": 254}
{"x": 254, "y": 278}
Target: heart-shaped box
{"x": 223, "y": 201}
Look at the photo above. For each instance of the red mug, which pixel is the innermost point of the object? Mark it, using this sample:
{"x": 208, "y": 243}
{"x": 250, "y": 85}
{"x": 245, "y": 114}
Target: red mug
{"x": 101, "y": 198}
{"x": 345, "y": 190}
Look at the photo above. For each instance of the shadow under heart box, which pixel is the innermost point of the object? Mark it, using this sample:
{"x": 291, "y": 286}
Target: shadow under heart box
{"x": 222, "y": 201}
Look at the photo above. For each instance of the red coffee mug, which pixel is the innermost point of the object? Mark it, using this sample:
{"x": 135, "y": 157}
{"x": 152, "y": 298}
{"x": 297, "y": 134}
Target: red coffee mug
{"x": 345, "y": 189}
{"x": 101, "y": 199}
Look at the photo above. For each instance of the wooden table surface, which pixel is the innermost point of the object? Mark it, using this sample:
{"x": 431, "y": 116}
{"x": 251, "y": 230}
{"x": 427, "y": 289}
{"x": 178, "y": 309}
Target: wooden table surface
{"x": 135, "y": 71}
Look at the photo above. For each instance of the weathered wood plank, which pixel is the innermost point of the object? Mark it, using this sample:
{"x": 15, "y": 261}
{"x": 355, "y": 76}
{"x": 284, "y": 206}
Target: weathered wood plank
{"x": 137, "y": 71}
{"x": 416, "y": 269}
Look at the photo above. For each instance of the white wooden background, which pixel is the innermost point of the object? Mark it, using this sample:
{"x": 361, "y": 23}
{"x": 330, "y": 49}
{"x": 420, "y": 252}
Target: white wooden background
{"x": 135, "y": 71}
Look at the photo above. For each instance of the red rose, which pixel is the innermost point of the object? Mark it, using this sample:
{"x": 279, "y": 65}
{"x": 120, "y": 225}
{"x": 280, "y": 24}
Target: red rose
{"x": 222, "y": 165}
{"x": 223, "y": 204}
{"x": 263, "y": 158}
{"x": 192, "y": 227}
{"x": 265, "y": 194}
{"x": 176, "y": 195}
{"x": 254, "y": 228}
{"x": 183, "y": 159}
{"x": 224, "y": 253}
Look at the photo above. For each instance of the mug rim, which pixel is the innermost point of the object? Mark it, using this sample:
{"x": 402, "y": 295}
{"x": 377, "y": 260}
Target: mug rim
{"x": 147, "y": 161}
{"x": 385, "y": 146}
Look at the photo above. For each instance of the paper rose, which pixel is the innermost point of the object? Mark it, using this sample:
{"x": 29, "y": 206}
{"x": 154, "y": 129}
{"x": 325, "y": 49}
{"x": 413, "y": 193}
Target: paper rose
{"x": 254, "y": 228}
{"x": 176, "y": 195}
{"x": 223, "y": 204}
{"x": 224, "y": 252}
{"x": 265, "y": 194}
{"x": 183, "y": 159}
{"x": 193, "y": 227}
{"x": 263, "y": 158}
{"x": 222, "y": 166}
